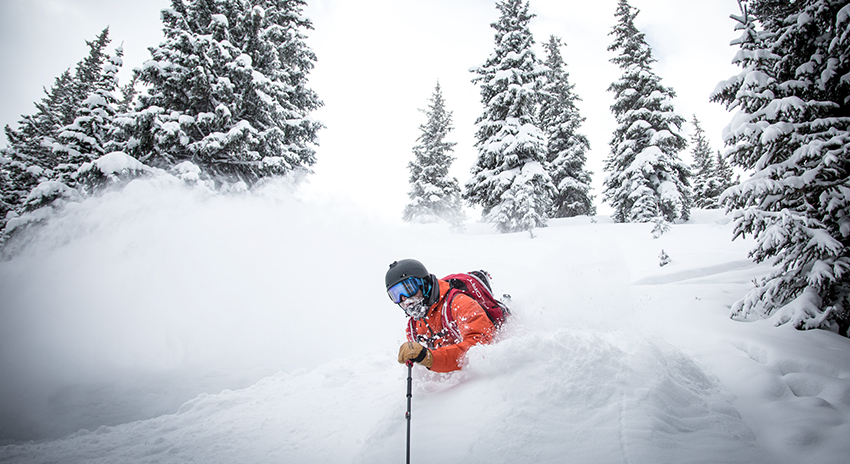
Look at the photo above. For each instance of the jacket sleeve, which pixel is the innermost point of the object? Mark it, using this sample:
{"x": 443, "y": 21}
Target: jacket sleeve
{"x": 474, "y": 327}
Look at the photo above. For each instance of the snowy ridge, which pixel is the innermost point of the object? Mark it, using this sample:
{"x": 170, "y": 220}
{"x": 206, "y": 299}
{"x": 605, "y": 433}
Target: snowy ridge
{"x": 610, "y": 358}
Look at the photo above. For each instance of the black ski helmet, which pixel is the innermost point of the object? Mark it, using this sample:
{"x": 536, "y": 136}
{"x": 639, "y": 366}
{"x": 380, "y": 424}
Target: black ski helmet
{"x": 402, "y": 269}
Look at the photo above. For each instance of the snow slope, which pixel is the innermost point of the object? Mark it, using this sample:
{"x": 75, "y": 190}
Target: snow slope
{"x": 130, "y": 305}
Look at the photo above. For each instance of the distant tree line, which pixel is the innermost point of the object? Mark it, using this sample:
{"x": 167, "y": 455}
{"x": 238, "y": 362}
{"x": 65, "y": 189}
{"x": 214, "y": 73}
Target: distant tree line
{"x": 532, "y": 154}
{"x": 791, "y": 133}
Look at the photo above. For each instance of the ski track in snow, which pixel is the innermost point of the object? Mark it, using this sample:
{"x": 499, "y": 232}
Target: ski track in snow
{"x": 699, "y": 273}
{"x": 608, "y": 359}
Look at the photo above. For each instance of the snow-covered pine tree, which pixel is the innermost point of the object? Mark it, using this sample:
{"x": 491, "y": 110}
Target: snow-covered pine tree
{"x": 228, "y": 90}
{"x": 724, "y": 173}
{"x": 88, "y": 73}
{"x": 29, "y": 158}
{"x": 6, "y": 193}
{"x": 567, "y": 147}
{"x": 707, "y": 184}
{"x": 90, "y": 135}
{"x": 791, "y": 130}
{"x": 434, "y": 194}
{"x": 645, "y": 176}
{"x": 663, "y": 259}
{"x": 124, "y": 123}
{"x": 128, "y": 95}
{"x": 32, "y": 142}
{"x": 509, "y": 179}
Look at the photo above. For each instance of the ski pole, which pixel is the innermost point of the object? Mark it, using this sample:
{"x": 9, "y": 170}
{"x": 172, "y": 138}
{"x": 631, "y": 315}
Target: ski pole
{"x": 409, "y": 396}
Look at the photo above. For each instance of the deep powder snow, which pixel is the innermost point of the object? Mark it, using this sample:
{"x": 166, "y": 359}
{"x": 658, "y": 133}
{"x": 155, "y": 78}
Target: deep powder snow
{"x": 174, "y": 324}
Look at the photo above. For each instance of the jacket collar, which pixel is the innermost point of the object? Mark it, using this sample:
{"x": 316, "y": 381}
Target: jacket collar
{"x": 444, "y": 289}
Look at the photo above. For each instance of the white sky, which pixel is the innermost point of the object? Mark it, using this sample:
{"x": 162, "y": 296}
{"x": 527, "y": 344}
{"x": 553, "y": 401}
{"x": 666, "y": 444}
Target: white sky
{"x": 379, "y": 61}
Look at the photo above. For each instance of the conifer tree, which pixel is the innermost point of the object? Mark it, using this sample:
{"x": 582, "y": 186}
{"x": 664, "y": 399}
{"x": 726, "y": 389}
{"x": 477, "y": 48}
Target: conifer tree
{"x": 88, "y": 74}
{"x": 90, "y": 136}
{"x": 25, "y": 162}
{"x": 32, "y": 142}
{"x": 509, "y": 179}
{"x": 724, "y": 174}
{"x": 434, "y": 194}
{"x": 708, "y": 185}
{"x": 228, "y": 90}
{"x": 5, "y": 181}
{"x": 645, "y": 176}
{"x": 128, "y": 95}
{"x": 791, "y": 131}
{"x": 567, "y": 148}
{"x": 30, "y": 158}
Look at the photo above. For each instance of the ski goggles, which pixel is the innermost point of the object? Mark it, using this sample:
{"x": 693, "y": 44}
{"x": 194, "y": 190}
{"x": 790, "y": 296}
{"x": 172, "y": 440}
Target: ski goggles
{"x": 406, "y": 288}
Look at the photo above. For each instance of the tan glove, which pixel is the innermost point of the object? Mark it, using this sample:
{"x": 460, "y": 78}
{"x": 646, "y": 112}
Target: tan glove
{"x": 415, "y": 352}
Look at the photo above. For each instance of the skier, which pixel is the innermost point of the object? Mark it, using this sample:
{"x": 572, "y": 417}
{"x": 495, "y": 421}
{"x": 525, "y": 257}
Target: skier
{"x": 434, "y": 340}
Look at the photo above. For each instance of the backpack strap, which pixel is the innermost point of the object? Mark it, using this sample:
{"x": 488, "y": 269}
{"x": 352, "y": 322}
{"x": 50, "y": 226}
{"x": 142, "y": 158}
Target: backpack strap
{"x": 411, "y": 330}
{"x": 448, "y": 318}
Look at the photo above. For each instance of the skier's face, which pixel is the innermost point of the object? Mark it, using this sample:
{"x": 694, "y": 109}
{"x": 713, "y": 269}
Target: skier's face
{"x": 414, "y": 306}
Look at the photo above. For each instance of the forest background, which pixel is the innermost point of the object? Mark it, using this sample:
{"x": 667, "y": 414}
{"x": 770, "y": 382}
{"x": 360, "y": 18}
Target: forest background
{"x": 378, "y": 62}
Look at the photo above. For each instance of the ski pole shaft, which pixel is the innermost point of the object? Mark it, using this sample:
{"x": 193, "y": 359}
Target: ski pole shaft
{"x": 409, "y": 396}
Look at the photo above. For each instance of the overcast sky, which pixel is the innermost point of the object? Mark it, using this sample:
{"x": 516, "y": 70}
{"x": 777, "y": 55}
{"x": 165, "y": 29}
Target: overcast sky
{"x": 379, "y": 61}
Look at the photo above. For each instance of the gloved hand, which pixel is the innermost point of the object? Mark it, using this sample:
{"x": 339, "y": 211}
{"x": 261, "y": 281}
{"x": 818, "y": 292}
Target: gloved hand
{"x": 415, "y": 352}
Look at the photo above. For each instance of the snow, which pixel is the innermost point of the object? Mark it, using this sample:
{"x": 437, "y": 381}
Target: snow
{"x": 649, "y": 156}
{"x": 94, "y": 99}
{"x": 219, "y": 20}
{"x": 187, "y": 171}
{"x": 260, "y": 78}
{"x": 171, "y": 127}
{"x": 49, "y": 188}
{"x": 244, "y": 60}
{"x": 503, "y": 75}
{"x": 177, "y": 324}
{"x": 117, "y": 161}
{"x": 35, "y": 170}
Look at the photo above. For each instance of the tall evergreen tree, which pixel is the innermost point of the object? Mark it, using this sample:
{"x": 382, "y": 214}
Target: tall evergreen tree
{"x": 724, "y": 173}
{"x": 791, "y": 131}
{"x": 129, "y": 92}
{"x": 434, "y": 194}
{"x": 509, "y": 178}
{"x": 567, "y": 148}
{"x": 88, "y": 74}
{"x": 32, "y": 142}
{"x": 90, "y": 136}
{"x": 708, "y": 185}
{"x": 228, "y": 90}
{"x": 30, "y": 158}
{"x": 646, "y": 178}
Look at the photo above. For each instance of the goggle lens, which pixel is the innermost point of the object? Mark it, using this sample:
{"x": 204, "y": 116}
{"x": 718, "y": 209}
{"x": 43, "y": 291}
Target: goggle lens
{"x": 406, "y": 288}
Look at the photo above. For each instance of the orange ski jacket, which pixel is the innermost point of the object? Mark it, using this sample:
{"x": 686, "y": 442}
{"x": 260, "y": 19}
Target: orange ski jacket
{"x": 449, "y": 338}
